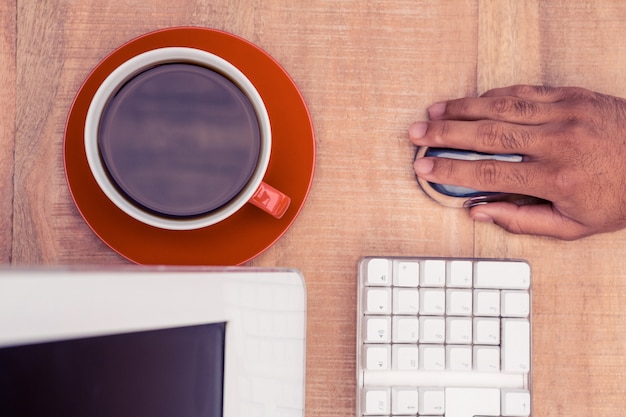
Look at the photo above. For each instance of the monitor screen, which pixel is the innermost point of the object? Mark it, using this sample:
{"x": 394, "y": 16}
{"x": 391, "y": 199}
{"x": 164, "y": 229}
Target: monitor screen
{"x": 169, "y": 372}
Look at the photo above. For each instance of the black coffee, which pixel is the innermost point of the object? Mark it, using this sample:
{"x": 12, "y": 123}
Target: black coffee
{"x": 179, "y": 139}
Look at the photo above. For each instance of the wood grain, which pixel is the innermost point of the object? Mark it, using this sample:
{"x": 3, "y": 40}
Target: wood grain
{"x": 7, "y": 126}
{"x": 367, "y": 69}
{"x": 578, "y": 287}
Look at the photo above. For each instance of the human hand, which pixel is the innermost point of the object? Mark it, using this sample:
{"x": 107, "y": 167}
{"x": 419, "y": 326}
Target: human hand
{"x": 573, "y": 143}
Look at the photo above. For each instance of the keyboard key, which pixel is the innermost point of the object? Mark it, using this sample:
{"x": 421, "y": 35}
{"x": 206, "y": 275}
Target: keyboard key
{"x": 486, "y": 303}
{"x": 470, "y": 402}
{"x": 516, "y": 403}
{"x": 404, "y": 400}
{"x": 486, "y": 358}
{"x": 431, "y": 401}
{"x": 432, "y": 357}
{"x": 432, "y": 329}
{"x": 407, "y": 275}
{"x": 377, "y": 329}
{"x": 378, "y": 272}
{"x": 515, "y": 345}
{"x": 432, "y": 301}
{"x": 376, "y": 400}
{"x": 405, "y": 301}
{"x": 515, "y": 304}
{"x": 433, "y": 273}
{"x": 405, "y": 357}
{"x": 459, "y": 274}
{"x": 377, "y": 301}
{"x": 459, "y": 302}
{"x": 438, "y": 378}
{"x": 486, "y": 331}
{"x": 377, "y": 356}
{"x": 504, "y": 275}
{"x": 405, "y": 329}
{"x": 459, "y": 330}
{"x": 459, "y": 357}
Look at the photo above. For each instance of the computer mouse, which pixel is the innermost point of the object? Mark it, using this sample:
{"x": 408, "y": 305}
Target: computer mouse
{"x": 455, "y": 196}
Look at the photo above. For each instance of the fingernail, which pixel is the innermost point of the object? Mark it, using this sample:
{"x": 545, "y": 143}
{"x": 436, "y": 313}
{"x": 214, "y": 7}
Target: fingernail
{"x": 418, "y": 130}
{"x": 482, "y": 217}
{"x": 437, "y": 110}
{"x": 423, "y": 166}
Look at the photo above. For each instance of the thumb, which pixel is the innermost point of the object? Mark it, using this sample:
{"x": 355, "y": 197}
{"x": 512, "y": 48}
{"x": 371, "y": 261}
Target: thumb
{"x": 537, "y": 219}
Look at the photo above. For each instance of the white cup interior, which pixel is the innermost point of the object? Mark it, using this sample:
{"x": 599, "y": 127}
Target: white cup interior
{"x": 138, "y": 64}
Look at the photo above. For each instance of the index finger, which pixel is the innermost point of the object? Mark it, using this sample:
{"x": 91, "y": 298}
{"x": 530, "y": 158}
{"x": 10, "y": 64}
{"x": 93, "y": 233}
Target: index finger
{"x": 538, "y": 93}
{"x": 499, "y": 108}
{"x": 482, "y": 136}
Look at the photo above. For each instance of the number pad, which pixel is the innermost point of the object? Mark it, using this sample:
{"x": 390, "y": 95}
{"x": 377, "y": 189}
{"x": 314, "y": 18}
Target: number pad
{"x": 447, "y": 331}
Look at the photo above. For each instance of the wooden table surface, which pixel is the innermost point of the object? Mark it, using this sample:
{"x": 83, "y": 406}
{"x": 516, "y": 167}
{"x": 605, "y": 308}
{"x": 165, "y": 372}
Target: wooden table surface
{"x": 367, "y": 69}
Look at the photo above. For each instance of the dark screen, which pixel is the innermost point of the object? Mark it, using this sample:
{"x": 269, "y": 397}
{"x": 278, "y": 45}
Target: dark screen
{"x": 176, "y": 372}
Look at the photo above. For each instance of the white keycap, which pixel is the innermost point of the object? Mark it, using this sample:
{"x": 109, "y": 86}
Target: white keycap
{"x": 405, "y": 300}
{"x": 433, "y": 273}
{"x": 486, "y": 303}
{"x": 407, "y": 274}
{"x": 377, "y": 329}
{"x": 515, "y": 345}
{"x": 459, "y": 357}
{"x": 459, "y": 330}
{"x": 504, "y": 275}
{"x": 404, "y": 400}
{"x": 515, "y": 303}
{"x": 431, "y": 401}
{"x": 470, "y": 402}
{"x": 436, "y": 378}
{"x": 376, "y": 401}
{"x": 486, "y": 358}
{"x": 486, "y": 331}
{"x": 377, "y": 301}
{"x": 378, "y": 272}
{"x": 405, "y": 329}
{"x": 377, "y": 356}
{"x": 432, "y": 329}
{"x": 459, "y": 302}
{"x": 516, "y": 403}
{"x": 432, "y": 357}
{"x": 432, "y": 301}
{"x": 404, "y": 357}
{"x": 459, "y": 274}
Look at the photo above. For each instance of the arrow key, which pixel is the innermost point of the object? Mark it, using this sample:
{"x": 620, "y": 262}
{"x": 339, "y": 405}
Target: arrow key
{"x": 516, "y": 403}
{"x": 404, "y": 400}
{"x": 377, "y": 329}
{"x": 377, "y": 356}
{"x": 377, "y": 301}
{"x": 431, "y": 401}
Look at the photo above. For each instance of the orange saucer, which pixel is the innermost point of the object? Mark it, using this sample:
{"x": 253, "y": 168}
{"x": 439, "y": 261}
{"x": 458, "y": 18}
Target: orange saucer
{"x": 248, "y": 232}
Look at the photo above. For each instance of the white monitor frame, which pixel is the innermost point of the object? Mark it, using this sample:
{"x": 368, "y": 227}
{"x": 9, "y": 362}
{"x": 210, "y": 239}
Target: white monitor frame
{"x": 39, "y": 305}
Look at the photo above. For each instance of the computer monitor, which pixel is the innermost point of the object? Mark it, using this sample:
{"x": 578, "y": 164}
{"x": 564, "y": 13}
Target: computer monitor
{"x": 152, "y": 341}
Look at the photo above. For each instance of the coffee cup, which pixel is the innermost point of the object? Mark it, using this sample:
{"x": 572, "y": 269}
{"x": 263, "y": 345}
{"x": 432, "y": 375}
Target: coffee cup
{"x": 180, "y": 139}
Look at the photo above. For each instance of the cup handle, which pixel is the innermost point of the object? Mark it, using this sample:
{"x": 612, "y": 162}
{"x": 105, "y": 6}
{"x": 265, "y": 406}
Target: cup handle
{"x": 270, "y": 200}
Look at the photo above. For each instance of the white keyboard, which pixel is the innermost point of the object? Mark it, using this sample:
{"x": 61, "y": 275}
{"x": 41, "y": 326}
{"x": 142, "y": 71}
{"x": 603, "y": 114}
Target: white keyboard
{"x": 443, "y": 337}
{"x": 272, "y": 313}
